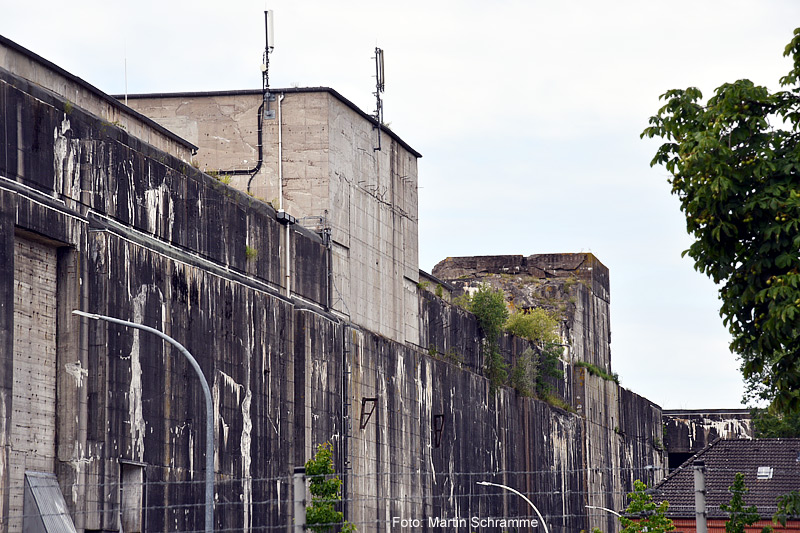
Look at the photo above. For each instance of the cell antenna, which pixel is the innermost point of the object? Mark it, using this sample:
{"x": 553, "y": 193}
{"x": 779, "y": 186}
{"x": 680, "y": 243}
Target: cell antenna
{"x": 269, "y": 28}
{"x": 380, "y": 85}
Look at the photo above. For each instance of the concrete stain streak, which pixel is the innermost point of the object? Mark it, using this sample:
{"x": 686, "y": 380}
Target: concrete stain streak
{"x": 135, "y": 409}
{"x": 75, "y": 370}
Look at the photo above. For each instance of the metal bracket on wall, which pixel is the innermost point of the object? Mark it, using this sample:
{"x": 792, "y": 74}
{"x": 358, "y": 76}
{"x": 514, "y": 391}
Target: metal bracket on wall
{"x": 367, "y": 408}
{"x": 438, "y": 429}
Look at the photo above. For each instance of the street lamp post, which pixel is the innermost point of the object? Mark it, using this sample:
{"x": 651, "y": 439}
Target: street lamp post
{"x": 518, "y": 493}
{"x": 606, "y": 509}
{"x": 209, "y": 500}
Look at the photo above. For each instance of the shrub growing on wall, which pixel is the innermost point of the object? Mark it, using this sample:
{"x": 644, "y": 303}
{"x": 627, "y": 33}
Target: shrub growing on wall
{"x": 489, "y": 307}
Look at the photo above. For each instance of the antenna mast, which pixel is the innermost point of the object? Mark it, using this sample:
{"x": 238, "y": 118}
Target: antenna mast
{"x": 380, "y": 85}
{"x": 269, "y": 31}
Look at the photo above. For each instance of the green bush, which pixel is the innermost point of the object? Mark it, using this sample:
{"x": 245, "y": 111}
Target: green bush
{"x": 597, "y": 371}
{"x": 537, "y": 325}
{"x": 489, "y": 307}
{"x": 325, "y": 488}
{"x": 525, "y": 373}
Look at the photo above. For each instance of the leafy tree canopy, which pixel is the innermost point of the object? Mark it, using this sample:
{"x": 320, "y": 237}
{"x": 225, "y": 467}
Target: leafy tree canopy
{"x": 735, "y": 165}
{"x": 643, "y": 514}
{"x": 768, "y": 425}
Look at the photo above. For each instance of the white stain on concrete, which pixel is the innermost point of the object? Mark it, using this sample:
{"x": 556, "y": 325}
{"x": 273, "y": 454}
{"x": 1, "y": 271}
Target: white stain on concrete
{"x": 135, "y": 408}
{"x": 76, "y": 371}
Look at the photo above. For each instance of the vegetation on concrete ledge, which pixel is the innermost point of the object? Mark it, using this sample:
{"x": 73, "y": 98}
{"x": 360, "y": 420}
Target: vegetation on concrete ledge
{"x": 325, "y": 488}
{"x": 540, "y": 327}
{"x": 597, "y": 371}
{"x": 525, "y": 373}
{"x": 536, "y": 325}
{"x": 250, "y": 253}
{"x": 489, "y": 307}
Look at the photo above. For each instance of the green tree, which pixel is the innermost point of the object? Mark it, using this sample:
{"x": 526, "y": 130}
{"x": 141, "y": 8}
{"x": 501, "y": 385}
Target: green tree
{"x": 536, "y": 325}
{"x": 325, "y": 488}
{"x": 788, "y": 507}
{"x": 489, "y": 307}
{"x": 769, "y": 425}
{"x": 643, "y": 514}
{"x": 532, "y": 369}
{"x": 739, "y": 516}
{"x": 735, "y": 165}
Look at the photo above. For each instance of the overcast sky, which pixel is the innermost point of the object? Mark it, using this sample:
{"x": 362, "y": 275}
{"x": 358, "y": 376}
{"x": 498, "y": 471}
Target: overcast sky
{"x": 527, "y": 115}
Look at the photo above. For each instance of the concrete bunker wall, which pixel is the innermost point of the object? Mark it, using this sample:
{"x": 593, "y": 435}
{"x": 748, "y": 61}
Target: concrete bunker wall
{"x": 333, "y": 178}
{"x": 140, "y": 234}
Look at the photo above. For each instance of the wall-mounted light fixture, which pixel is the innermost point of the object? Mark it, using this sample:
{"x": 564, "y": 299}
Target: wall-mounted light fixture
{"x": 438, "y": 429}
{"x": 367, "y": 408}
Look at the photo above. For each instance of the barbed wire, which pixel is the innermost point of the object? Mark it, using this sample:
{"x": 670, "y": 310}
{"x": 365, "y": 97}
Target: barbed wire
{"x": 225, "y": 479}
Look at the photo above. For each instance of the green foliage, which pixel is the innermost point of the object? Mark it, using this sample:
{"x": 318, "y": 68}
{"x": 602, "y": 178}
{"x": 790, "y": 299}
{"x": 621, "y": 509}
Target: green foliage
{"x": 439, "y": 290}
{"x": 325, "y": 488}
{"x": 489, "y": 307}
{"x": 739, "y": 516}
{"x": 597, "y": 371}
{"x": 250, "y": 253}
{"x": 530, "y": 374}
{"x": 767, "y": 425}
{"x": 422, "y": 285}
{"x": 643, "y": 514}
{"x": 549, "y": 367}
{"x": 525, "y": 373}
{"x": 537, "y": 325}
{"x": 462, "y": 301}
{"x": 556, "y": 401}
{"x": 68, "y": 107}
{"x": 735, "y": 165}
{"x": 788, "y": 508}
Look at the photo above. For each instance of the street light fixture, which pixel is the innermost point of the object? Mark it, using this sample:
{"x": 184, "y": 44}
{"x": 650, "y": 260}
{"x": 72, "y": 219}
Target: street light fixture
{"x": 606, "y": 509}
{"x": 518, "y": 493}
{"x": 209, "y": 501}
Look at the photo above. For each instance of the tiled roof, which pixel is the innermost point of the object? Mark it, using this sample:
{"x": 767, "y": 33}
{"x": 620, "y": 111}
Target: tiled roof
{"x": 723, "y": 459}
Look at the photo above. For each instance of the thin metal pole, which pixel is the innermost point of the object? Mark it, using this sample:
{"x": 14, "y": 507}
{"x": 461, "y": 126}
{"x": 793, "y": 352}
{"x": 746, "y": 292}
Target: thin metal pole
{"x": 209, "y": 500}
{"x": 606, "y": 509}
{"x": 518, "y": 493}
{"x": 699, "y": 468}
{"x": 299, "y": 479}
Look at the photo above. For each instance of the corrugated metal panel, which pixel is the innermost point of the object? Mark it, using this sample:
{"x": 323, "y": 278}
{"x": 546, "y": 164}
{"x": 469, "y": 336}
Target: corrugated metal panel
{"x": 45, "y": 508}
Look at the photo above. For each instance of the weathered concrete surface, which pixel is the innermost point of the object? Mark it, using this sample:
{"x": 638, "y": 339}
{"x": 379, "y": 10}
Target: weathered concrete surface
{"x": 622, "y": 430}
{"x": 332, "y": 178}
{"x": 137, "y": 233}
{"x": 687, "y": 431}
{"x": 576, "y": 286}
{"x": 76, "y": 92}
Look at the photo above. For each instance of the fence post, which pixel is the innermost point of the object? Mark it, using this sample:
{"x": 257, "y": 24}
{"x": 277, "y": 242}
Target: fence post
{"x": 299, "y": 479}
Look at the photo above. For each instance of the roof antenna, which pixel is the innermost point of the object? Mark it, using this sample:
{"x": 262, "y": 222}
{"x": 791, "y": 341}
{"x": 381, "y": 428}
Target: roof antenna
{"x": 380, "y": 85}
{"x": 269, "y": 28}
